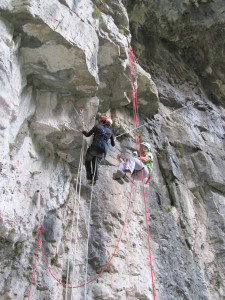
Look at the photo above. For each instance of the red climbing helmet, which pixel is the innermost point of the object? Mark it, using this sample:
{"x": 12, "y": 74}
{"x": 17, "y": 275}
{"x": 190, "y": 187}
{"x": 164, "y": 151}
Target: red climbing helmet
{"x": 106, "y": 120}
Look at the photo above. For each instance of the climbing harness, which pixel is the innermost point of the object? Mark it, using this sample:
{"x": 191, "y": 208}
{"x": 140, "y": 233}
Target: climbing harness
{"x": 137, "y": 171}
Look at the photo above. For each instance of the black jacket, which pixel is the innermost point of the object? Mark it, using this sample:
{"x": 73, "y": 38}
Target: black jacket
{"x": 102, "y": 134}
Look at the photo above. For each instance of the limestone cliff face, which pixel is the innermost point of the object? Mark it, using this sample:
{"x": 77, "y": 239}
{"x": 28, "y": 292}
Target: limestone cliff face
{"x": 64, "y": 60}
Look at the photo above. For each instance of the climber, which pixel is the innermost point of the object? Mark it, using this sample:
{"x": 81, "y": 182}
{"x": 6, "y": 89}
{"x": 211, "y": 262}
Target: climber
{"x": 98, "y": 148}
{"x": 133, "y": 165}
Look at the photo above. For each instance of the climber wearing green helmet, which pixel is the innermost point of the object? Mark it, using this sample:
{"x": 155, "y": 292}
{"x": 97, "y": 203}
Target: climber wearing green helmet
{"x": 134, "y": 165}
{"x": 98, "y": 149}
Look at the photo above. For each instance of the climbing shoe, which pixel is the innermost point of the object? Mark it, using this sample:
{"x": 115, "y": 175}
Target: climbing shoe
{"x": 119, "y": 180}
{"x": 119, "y": 174}
{"x": 125, "y": 178}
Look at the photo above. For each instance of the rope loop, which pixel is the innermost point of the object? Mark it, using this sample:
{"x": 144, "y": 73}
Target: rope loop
{"x": 103, "y": 269}
{"x": 135, "y": 113}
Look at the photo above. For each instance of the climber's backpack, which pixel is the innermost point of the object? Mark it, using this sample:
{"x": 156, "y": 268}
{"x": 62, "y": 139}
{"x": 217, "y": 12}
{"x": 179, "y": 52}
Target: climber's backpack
{"x": 101, "y": 137}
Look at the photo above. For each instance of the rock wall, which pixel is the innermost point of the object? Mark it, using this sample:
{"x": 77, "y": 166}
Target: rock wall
{"x": 66, "y": 61}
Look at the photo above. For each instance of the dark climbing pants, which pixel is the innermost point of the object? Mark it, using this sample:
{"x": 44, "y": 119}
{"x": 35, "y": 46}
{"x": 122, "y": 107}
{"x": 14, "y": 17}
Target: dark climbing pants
{"x": 91, "y": 163}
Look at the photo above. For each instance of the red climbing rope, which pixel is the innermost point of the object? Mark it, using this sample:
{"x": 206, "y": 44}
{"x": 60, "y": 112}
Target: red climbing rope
{"x": 135, "y": 113}
{"x": 131, "y": 55}
{"x": 103, "y": 270}
{"x": 39, "y": 241}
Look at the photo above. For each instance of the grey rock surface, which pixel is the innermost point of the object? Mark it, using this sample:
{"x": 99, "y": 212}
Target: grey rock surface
{"x": 64, "y": 62}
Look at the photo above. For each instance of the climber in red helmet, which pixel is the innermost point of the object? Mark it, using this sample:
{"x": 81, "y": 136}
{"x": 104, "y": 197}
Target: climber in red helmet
{"x": 98, "y": 149}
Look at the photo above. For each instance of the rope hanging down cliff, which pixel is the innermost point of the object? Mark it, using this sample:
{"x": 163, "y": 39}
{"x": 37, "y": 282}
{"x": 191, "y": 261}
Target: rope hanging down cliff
{"x": 135, "y": 113}
{"x": 78, "y": 182}
{"x": 88, "y": 231}
{"x": 91, "y": 280}
{"x": 66, "y": 286}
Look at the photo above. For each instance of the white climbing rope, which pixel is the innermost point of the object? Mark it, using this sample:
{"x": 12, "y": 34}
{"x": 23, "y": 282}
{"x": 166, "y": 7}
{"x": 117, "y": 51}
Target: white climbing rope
{"x": 76, "y": 230}
{"x": 75, "y": 201}
{"x": 135, "y": 128}
{"x": 88, "y": 231}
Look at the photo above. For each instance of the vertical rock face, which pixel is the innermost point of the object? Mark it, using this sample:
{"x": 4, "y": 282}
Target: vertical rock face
{"x": 64, "y": 62}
